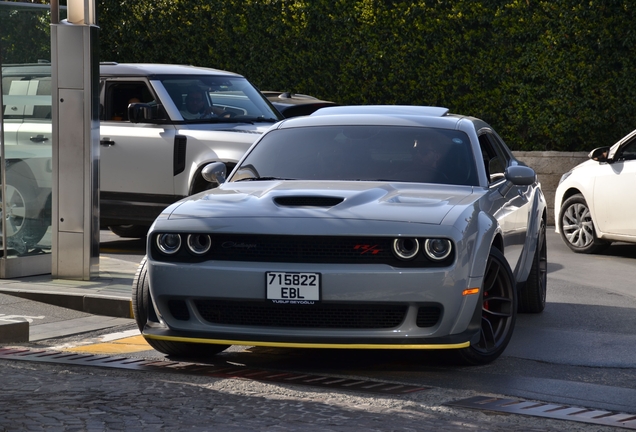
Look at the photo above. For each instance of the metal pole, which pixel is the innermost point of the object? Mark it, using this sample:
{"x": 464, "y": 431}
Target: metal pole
{"x": 2, "y": 170}
{"x": 55, "y": 11}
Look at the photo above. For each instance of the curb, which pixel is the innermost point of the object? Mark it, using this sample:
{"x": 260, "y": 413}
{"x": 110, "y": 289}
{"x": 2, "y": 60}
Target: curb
{"x": 14, "y": 332}
{"x": 117, "y": 307}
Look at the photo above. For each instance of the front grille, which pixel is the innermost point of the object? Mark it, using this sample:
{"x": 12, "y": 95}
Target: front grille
{"x": 179, "y": 310}
{"x": 302, "y": 316}
{"x": 302, "y": 249}
{"x": 428, "y": 316}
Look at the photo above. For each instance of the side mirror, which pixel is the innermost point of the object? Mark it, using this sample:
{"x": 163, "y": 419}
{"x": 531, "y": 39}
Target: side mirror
{"x": 214, "y": 172}
{"x": 517, "y": 175}
{"x": 141, "y": 112}
{"x": 520, "y": 175}
{"x": 599, "y": 154}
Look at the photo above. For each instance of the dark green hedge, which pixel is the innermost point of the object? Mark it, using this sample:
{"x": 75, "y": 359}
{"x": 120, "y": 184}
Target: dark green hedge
{"x": 548, "y": 75}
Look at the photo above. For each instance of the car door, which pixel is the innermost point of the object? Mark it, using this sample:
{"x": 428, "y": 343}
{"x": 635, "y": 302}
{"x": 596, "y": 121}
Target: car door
{"x": 136, "y": 159}
{"x": 614, "y": 197}
{"x": 512, "y": 213}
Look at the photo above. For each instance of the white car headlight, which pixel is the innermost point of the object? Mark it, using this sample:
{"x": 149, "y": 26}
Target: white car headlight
{"x": 565, "y": 176}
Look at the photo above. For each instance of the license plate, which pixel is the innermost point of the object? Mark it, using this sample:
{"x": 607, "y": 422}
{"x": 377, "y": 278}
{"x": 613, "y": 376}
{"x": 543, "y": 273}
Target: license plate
{"x": 293, "y": 288}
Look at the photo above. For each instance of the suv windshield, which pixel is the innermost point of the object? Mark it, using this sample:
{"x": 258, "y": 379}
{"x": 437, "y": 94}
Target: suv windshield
{"x": 362, "y": 153}
{"x": 218, "y": 98}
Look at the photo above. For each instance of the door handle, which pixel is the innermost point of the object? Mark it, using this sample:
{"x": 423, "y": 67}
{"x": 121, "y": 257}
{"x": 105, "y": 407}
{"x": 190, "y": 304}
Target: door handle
{"x": 39, "y": 138}
{"x": 107, "y": 142}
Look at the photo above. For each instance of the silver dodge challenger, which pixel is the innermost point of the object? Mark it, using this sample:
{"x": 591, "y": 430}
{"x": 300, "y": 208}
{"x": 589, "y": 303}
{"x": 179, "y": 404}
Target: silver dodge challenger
{"x": 357, "y": 227}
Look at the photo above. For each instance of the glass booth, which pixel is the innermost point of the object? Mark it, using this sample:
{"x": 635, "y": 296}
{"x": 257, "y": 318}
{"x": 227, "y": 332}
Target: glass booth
{"x": 25, "y": 139}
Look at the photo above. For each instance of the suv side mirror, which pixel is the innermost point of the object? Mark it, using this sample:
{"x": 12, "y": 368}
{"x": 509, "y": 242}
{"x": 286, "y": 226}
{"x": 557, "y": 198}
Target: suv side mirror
{"x": 599, "y": 154}
{"x": 141, "y": 112}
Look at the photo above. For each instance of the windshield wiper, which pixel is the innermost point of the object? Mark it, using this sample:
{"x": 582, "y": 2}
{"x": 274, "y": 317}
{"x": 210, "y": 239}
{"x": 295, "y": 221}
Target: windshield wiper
{"x": 266, "y": 120}
{"x": 263, "y": 179}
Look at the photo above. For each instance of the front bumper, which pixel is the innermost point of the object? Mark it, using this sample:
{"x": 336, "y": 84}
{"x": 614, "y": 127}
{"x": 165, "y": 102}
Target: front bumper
{"x": 202, "y": 291}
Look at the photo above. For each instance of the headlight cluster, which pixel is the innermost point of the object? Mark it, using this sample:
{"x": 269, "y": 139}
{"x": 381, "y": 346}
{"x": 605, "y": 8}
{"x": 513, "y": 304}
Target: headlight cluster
{"x": 170, "y": 244}
{"x": 436, "y": 249}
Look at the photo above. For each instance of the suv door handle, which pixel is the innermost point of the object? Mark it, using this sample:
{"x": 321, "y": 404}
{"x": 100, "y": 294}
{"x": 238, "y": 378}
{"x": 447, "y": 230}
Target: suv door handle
{"x": 107, "y": 142}
{"x": 39, "y": 138}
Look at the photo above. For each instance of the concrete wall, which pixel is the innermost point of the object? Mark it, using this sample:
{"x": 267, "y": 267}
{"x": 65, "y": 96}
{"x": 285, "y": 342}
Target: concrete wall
{"x": 549, "y": 167}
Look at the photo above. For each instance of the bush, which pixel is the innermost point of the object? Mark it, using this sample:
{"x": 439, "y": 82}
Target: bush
{"x": 548, "y": 75}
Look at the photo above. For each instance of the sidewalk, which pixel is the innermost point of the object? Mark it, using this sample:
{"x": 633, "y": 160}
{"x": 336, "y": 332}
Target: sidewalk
{"x": 40, "y": 307}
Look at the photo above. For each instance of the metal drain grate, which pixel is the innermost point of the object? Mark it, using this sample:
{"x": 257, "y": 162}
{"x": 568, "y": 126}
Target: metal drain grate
{"x": 224, "y": 371}
{"x": 540, "y": 409}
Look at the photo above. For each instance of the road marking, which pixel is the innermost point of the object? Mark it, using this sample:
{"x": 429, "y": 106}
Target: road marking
{"x": 117, "y": 346}
{"x": 119, "y": 335}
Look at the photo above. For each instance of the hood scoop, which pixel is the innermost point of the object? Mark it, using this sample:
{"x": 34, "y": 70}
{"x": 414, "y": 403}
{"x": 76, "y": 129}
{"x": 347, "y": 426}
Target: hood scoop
{"x": 307, "y": 201}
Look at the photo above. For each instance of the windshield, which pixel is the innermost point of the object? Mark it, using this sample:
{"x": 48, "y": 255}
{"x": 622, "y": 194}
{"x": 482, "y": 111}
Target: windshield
{"x": 218, "y": 98}
{"x": 362, "y": 153}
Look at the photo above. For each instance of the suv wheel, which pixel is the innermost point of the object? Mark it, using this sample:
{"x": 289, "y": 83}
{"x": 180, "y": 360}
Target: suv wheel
{"x": 23, "y": 221}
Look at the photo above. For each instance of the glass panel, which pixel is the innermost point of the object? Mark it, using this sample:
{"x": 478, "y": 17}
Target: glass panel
{"x": 26, "y": 115}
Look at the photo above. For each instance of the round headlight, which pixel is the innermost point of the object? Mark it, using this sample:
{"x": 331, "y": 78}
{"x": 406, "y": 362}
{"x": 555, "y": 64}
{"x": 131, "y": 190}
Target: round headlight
{"x": 406, "y": 248}
{"x": 169, "y": 243}
{"x": 437, "y": 249}
{"x": 199, "y": 243}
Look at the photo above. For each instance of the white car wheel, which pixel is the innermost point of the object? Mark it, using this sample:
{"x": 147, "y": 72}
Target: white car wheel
{"x": 577, "y": 227}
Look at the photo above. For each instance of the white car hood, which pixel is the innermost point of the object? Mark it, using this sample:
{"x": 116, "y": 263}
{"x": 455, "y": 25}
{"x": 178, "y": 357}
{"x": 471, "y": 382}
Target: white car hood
{"x": 399, "y": 202}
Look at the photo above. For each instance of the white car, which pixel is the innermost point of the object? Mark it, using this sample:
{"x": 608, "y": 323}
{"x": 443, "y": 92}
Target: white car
{"x": 595, "y": 201}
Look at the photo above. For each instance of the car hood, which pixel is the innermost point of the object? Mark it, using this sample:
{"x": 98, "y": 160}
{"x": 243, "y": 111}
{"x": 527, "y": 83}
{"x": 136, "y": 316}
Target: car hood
{"x": 399, "y": 202}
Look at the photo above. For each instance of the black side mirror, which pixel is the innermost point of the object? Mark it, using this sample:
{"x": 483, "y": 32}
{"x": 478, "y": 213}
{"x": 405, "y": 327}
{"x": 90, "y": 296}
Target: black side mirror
{"x": 517, "y": 175}
{"x": 141, "y": 112}
{"x": 599, "y": 154}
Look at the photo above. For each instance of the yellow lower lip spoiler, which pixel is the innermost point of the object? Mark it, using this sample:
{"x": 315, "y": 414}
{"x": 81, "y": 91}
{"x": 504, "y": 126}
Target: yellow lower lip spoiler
{"x": 311, "y": 345}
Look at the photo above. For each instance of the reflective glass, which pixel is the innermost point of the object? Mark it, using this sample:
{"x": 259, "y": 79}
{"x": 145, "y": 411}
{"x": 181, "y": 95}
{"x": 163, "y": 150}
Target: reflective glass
{"x": 26, "y": 119}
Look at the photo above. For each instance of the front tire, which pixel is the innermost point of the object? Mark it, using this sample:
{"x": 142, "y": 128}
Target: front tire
{"x": 577, "y": 227}
{"x": 142, "y": 304}
{"x": 532, "y": 295}
{"x": 499, "y": 312}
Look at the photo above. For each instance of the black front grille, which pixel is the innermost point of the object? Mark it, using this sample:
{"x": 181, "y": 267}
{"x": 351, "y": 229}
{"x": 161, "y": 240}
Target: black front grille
{"x": 428, "y": 316}
{"x": 302, "y": 249}
{"x": 302, "y": 316}
{"x": 179, "y": 310}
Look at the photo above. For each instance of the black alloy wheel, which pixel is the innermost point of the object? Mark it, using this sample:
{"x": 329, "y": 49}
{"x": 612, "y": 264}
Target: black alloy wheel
{"x": 498, "y": 312}
{"x": 533, "y": 294}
